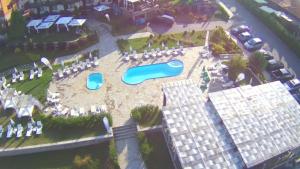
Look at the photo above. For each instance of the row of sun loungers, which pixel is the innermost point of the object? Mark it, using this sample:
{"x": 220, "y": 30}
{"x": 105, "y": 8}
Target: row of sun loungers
{"x": 58, "y": 110}
{"x": 35, "y": 73}
{"x": 17, "y": 77}
{"x": 75, "y": 68}
{"x": 18, "y": 130}
{"x": 155, "y": 53}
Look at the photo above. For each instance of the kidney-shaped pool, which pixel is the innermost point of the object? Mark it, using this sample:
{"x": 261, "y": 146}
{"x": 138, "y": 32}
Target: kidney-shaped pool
{"x": 139, "y": 74}
{"x": 94, "y": 81}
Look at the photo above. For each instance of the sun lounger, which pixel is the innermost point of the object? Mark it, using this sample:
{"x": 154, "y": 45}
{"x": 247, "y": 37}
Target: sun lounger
{"x": 31, "y": 75}
{"x": 60, "y": 73}
{"x": 96, "y": 61}
{"x": 81, "y": 111}
{"x": 88, "y": 63}
{"x": 93, "y": 109}
{"x": 19, "y": 130}
{"x": 74, "y": 68}
{"x": 181, "y": 50}
{"x": 145, "y": 55}
{"x": 9, "y": 131}
{"x": 21, "y": 78}
{"x": 40, "y": 72}
{"x": 168, "y": 51}
{"x": 14, "y": 78}
{"x": 174, "y": 51}
{"x": 67, "y": 71}
{"x": 103, "y": 109}
{"x": 29, "y": 130}
{"x": 153, "y": 53}
{"x": 39, "y": 128}
{"x": 158, "y": 52}
{"x": 1, "y": 131}
{"x": 134, "y": 55}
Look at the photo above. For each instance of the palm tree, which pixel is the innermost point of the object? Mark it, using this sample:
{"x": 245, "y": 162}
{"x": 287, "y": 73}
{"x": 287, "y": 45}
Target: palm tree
{"x": 237, "y": 64}
{"x": 257, "y": 62}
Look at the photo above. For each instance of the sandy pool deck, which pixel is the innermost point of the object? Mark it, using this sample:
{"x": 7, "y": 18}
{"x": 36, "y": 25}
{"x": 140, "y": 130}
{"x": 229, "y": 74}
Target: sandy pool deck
{"x": 116, "y": 95}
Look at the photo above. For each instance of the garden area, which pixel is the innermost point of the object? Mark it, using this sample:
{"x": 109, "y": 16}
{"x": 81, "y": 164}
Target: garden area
{"x": 55, "y": 129}
{"x": 100, "y": 156}
{"x": 221, "y": 43}
{"x": 187, "y": 39}
{"x": 154, "y": 151}
{"x": 147, "y": 116}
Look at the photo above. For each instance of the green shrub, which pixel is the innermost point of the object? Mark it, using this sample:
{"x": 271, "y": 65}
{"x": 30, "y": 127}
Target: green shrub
{"x": 82, "y": 122}
{"x": 145, "y": 147}
{"x": 148, "y": 115}
{"x": 113, "y": 155}
{"x": 17, "y": 50}
{"x": 82, "y": 162}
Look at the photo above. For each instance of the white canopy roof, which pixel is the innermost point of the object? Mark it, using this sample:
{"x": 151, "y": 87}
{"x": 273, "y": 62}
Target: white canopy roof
{"x": 25, "y": 111}
{"x": 10, "y": 103}
{"x": 45, "y": 25}
{"x": 133, "y": 1}
{"x": 63, "y": 20}
{"x": 34, "y": 23}
{"x": 101, "y": 8}
{"x": 51, "y": 18}
{"x": 77, "y": 22}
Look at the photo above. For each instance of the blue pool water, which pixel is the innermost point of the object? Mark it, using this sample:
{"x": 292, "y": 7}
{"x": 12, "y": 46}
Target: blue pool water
{"x": 94, "y": 81}
{"x": 139, "y": 74}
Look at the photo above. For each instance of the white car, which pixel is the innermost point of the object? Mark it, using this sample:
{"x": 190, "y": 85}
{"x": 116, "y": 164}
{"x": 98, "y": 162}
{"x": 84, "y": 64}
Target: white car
{"x": 253, "y": 44}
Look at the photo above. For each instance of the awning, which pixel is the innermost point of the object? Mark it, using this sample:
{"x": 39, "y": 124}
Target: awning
{"x": 34, "y": 23}
{"x": 101, "y": 8}
{"x": 64, "y": 20}
{"x": 51, "y": 18}
{"x": 77, "y": 22}
{"x": 45, "y": 25}
{"x": 25, "y": 111}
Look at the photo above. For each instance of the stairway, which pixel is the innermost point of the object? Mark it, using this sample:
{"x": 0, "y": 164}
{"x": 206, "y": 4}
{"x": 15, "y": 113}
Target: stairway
{"x": 125, "y": 132}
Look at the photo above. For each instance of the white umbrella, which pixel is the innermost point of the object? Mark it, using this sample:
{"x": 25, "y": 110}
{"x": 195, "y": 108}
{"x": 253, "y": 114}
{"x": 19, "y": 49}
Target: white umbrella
{"x": 12, "y": 122}
{"x": 15, "y": 69}
{"x": 107, "y": 17}
{"x": 130, "y": 48}
{"x": 178, "y": 43}
{"x": 163, "y": 44}
{"x": 62, "y": 63}
{"x": 149, "y": 45}
{"x": 90, "y": 55}
{"x": 46, "y": 62}
{"x": 34, "y": 65}
{"x": 106, "y": 125}
{"x": 240, "y": 77}
{"x": 10, "y": 103}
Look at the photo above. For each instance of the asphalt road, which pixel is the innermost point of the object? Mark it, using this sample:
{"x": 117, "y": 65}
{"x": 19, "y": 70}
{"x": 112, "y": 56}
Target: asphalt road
{"x": 273, "y": 43}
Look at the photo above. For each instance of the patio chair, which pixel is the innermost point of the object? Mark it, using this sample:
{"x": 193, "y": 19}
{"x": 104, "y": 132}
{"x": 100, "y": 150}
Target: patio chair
{"x": 21, "y": 78}
{"x": 103, "y": 109}
{"x": 31, "y": 75}
{"x": 40, "y": 72}
{"x": 153, "y": 53}
{"x": 67, "y": 71}
{"x": 96, "y": 61}
{"x": 168, "y": 51}
{"x": 29, "y": 129}
{"x": 74, "y": 68}
{"x": 88, "y": 63}
{"x": 19, "y": 130}
{"x": 60, "y": 73}
{"x": 1, "y": 131}
{"x": 81, "y": 111}
{"x": 181, "y": 50}
{"x": 74, "y": 113}
{"x": 39, "y": 128}
{"x": 174, "y": 51}
{"x": 145, "y": 55}
{"x": 65, "y": 111}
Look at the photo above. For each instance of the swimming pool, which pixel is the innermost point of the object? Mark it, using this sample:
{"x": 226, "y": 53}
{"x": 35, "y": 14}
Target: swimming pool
{"x": 94, "y": 81}
{"x": 139, "y": 74}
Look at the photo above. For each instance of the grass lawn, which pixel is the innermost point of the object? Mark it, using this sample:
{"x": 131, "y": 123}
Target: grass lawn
{"x": 37, "y": 87}
{"x": 159, "y": 158}
{"x": 92, "y": 157}
{"x": 147, "y": 115}
{"x": 187, "y": 39}
{"x": 48, "y": 136}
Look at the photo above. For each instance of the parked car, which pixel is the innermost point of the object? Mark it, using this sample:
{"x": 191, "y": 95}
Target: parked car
{"x": 253, "y": 44}
{"x": 164, "y": 19}
{"x": 244, "y": 36}
{"x": 282, "y": 75}
{"x": 267, "y": 54}
{"x": 292, "y": 85}
{"x": 297, "y": 97}
{"x": 274, "y": 65}
{"x": 237, "y": 30}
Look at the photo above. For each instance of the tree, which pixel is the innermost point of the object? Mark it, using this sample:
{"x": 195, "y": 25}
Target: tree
{"x": 16, "y": 28}
{"x": 257, "y": 62}
{"x": 236, "y": 65}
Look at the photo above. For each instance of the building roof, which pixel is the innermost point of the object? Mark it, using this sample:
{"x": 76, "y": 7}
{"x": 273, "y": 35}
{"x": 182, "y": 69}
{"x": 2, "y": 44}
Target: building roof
{"x": 263, "y": 121}
{"x": 63, "y": 20}
{"x": 34, "y": 23}
{"x": 197, "y": 137}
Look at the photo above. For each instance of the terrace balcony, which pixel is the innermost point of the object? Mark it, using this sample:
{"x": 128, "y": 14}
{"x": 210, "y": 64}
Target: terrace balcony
{"x": 140, "y": 7}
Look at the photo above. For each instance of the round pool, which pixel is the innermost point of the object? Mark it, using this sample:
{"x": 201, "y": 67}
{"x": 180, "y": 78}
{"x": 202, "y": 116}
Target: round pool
{"x": 94, "y": 81}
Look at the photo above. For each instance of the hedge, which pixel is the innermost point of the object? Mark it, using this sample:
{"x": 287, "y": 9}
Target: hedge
{"x": 274, "y": 25}
{"x": 81, "y": 122}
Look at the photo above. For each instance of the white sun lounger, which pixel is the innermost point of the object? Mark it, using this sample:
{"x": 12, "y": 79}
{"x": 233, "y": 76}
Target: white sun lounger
{"x": 158, "y": 52}
{"x": 40, "y": 72}
{"x": 93, "y": 109}
{"x": 174, "y": 51}
{"x": 168, "y": 51}
{"x": 1, "y": 131}
{"x": 31, "y": 75}
{"x": 21, "y": 76}
{"x": 14, "y": 78}
{"x": 103, "y": 109}
{"x": 182, "y": 50}
{"x": 39, "y": 128}
{"x": 74, "y": 68}
{"x": 29, "y": 130}
{"x": 145, "y": 55}
{"x": 60, "y": 73}
{"x": 9, "y": 131}
{"x": 67, "y": 71}
{"x": 153, "y": 53}
{"x": 88, "y": 63}
{"x": 19, "y": 130}
{"x": 81, "y": 111}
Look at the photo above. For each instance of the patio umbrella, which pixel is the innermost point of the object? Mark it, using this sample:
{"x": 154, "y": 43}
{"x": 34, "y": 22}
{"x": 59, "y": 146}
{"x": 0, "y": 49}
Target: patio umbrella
{"x": 34, "y": 65}
{"x": 162, "y": 44}
{"x": 240, "y": 77}
{"x": 12, "y": 122}
{"x": 149, "y": 45}
{"x": 25, "y": 106}
{"x": 106, "y": 124}
{"x": 62, "y": 63}
{"x": 10, "y": 103}
{"x": 178, "y": 43}
{"x": 107, "y": 17}
{"x": 130, "y": 48}
{"x": 90, "y": 55}
{"x": 15, "y": 70}
{"x": 46, "y": 62}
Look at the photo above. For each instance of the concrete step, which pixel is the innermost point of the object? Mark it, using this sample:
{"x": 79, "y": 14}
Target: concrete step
{"x": 124, "y": 132}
